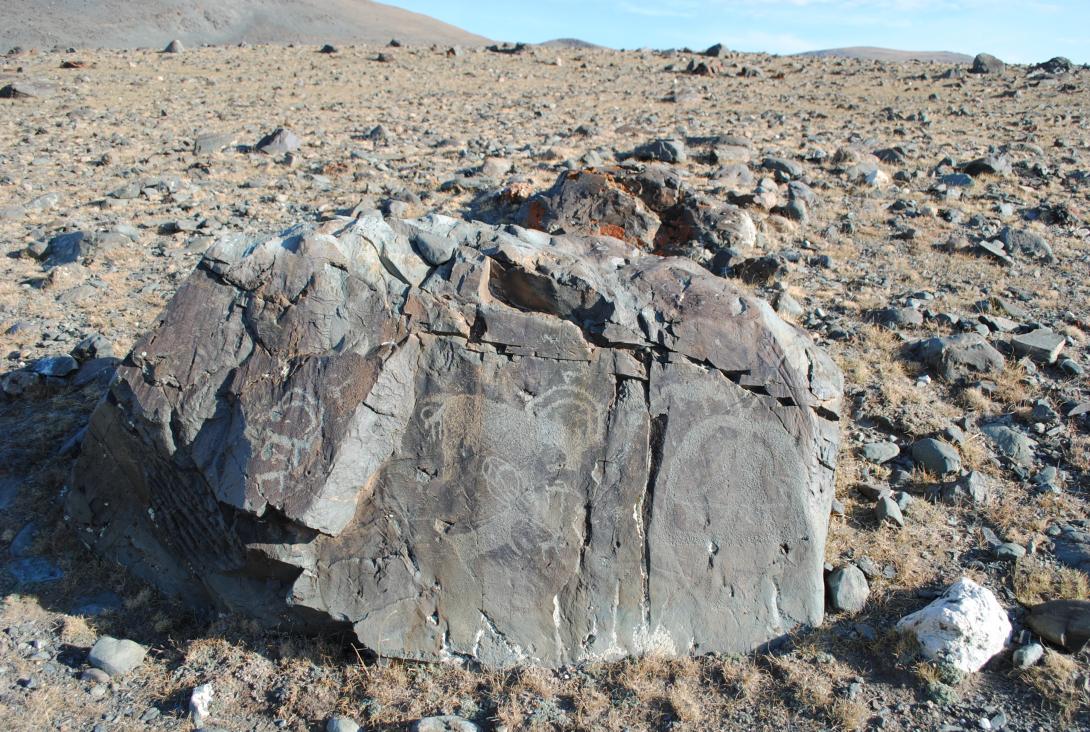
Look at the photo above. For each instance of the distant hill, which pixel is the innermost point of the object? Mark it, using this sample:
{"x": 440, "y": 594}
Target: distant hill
{"x": 569, "y": 43}
{"x": 890, "y": 54}
{"x": 152, "y": 23}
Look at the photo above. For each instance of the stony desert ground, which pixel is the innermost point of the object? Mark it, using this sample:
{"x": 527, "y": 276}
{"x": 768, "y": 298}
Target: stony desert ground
{"x": 121, "y": 167}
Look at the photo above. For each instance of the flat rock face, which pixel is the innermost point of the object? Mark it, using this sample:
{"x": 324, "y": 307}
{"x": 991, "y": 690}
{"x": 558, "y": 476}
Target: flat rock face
{"x": 543, "y": 450}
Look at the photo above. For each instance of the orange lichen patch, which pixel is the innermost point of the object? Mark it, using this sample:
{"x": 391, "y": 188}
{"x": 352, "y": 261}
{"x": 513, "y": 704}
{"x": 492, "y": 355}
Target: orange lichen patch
{"x": 613, "y": 230}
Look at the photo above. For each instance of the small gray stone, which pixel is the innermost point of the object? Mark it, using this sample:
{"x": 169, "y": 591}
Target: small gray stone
{"x": 1042, "y": 344}
{"x": 280, "y": 141}
{"x": 995, "y": 249}
{"x": 936, "y": 456}
{"x": 666, "y": 151}
{"x": 886, "y": 509}
{"x": 91, "y": 347}
{"x": 894, "y": 317}
{"x": 213, "y": 142}
{"x": 445, "y": 724}
{"x": 956, "y": 356}
{"x": 95, "y": 676}
{"x": 837, "y": 508}
{"x": 868, "y": 567}
{"x": 1010, "y": 551}
{"x": 495, "y": 167}
{"x": 341, "y": 724}
{"x": 1027, "y": 655}
{"x": 873, "y": 492}
{"x": 972, "y": 487}
{"x": 784, "y": 169}
{"x": 200, "y": 703}
{"x": 904, "y": 500}
{"x": 1021, "y": 241}
{"x": 880, "y": 452}
{"x": 1011, "y": 444}
{"x": 848, "y": 589}
{"x": 1072, "y": 547}
{"x": 116, "y": 657}
{"x": 174, "y": 46}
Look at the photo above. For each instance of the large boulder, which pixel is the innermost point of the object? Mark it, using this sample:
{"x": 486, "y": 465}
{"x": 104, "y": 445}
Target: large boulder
{"x": 591, "y": 202}
{"x": 543, "y": 450}
{"x": 650, "y": 206}
{"x": 985, "y": 63}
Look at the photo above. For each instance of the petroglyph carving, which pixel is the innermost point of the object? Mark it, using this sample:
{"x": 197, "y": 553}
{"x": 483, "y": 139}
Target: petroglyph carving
{"x": 612, "y": 453}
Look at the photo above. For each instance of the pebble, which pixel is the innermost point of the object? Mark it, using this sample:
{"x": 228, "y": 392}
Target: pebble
{"x": 1027, "y": 655}
{"x": 886, "y": 509}
{"x": 341, "y": 724}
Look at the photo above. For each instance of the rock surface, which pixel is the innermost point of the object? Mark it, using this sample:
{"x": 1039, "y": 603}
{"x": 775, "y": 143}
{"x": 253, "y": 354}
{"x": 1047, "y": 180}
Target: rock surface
{"x": 962, "y": 629}
{"x": 116, "y": 657}
{"x": 547, "y": 450}
{"x": 848, "y": 589}
{"x": 1066, "y": 623}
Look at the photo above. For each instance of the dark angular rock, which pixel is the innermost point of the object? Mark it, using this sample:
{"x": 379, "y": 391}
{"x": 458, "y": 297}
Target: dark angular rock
{"x": 591, "y": 202}
{"x": 700, "y": 228}
{"x": 664, "y": 151}
{"x": 26, "y": 89}
{"x": 1065, "y": 623}
{"x": 1021, "y": 241}
{"x": 957, "y": 356}
{"x": 985, "y": 63}
{"x": 548, "y": 450}
{"x": 58, "y": 366}
{"x": 67, "y": 248}
{"x": 990, "y": 165}
{"x": 1010, "y": 443}
{"x": 1072, "y": 547}
{"x": 1056, "y": 65}
{"x": 278, "y": 142}
{"x": 785, "y": 170}
{"x": 936, "y": 456}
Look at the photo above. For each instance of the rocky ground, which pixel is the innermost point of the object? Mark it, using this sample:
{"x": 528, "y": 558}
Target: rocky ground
{"x": 927, "y": 225}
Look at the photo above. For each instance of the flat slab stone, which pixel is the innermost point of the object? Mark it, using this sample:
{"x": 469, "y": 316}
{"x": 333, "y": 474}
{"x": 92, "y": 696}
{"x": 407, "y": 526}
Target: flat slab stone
{"x": 1041, "y": 344}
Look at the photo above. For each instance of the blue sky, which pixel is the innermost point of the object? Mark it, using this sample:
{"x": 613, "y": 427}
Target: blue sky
{"x": 1020, "y": 31}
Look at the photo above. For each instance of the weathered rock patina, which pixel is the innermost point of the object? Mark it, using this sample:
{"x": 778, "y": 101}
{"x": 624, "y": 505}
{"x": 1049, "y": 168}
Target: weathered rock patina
{"x": 509, "y": 448}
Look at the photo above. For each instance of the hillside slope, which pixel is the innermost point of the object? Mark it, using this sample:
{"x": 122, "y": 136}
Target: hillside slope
{"x": 125, "y": 24}
{"x": 890, "y": 54}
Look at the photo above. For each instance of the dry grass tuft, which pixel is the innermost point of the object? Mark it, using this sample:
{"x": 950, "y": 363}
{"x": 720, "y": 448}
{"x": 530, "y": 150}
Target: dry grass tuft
{"x": 813, "y": 686}
{"x": 1012, "y": 388}
{"x": 1035, "y": 581}
{"x": 1058, "y": 679}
